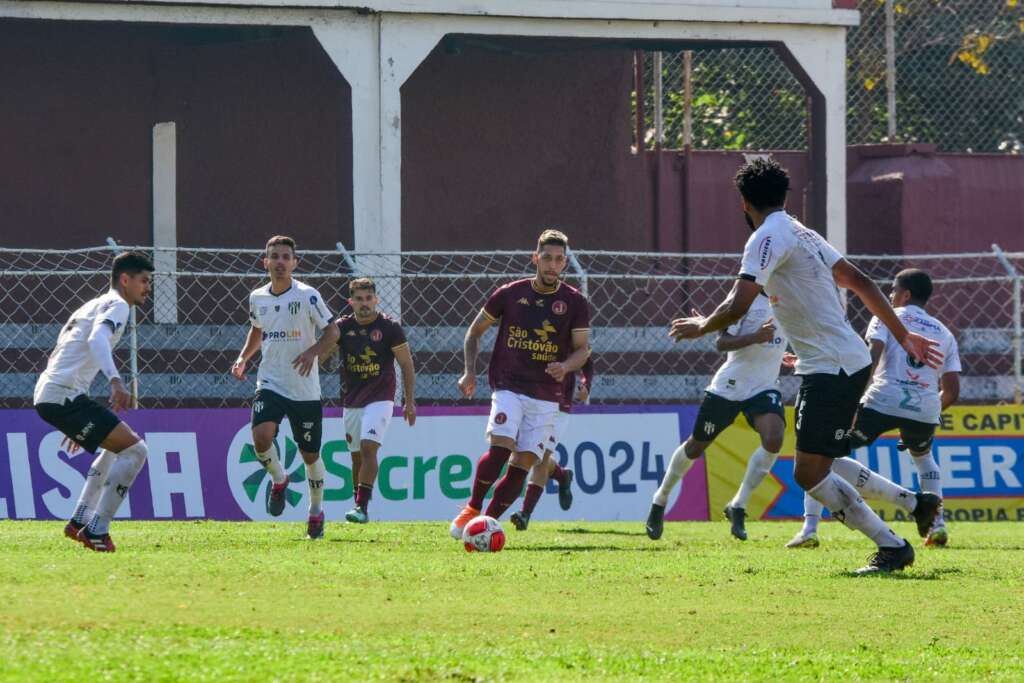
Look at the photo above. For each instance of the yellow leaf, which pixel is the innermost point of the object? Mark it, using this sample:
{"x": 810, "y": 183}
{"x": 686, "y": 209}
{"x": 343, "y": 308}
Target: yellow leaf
{"x": 1020, "y": 25}
{"x": 900, "y": 9}
{"x": 982, "y": 68}
{"x": 1011, "y": 3}
{"x": 983, "y": 43}
{"x": 869, "y": 84}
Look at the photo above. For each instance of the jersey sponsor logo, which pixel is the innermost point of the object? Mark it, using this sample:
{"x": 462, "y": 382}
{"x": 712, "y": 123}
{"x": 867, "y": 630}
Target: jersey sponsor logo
{"x": 350, "y": 333}
{"x": 709, "y": 428}
{"x": 524, "y": 301}
{"x": 277, "y": 308}
{"x": 914, "y": 363}
{"x": 764, "y": 251}
{"x": 376, "y": 335}
{"x": 363, "y": 364}
{"x": 559, "y": 308}
{"x": 540, "y": 303}
{"x": 542, "y": 350}
{"x": 546, "y": 329}
{"x": 293, "y": 307}
{"x": 282, "y": 335}
{"x": 500, "y": 419}
{"x": 86, "y": 430}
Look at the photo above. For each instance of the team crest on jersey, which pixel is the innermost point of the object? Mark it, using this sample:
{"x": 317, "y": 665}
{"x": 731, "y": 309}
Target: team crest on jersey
{"x": 559, "y": 308}
{"x": 293, "y": 307}
{"x": 376, "y": 336}
{"x": 277, "y": 308}
{"x": 500, "y": 419}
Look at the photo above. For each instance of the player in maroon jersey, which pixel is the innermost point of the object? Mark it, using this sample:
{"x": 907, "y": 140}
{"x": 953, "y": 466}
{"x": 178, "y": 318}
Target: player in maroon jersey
{"x": 548, "y": 468}
{"x": 369, "y": 345}
{"x": 543, "y": 334}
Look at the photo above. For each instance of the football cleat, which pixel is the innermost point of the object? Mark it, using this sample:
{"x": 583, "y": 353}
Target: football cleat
{"x": 937, "y": 536}
{"x": 101, "y": 543}
{"x": 275, "y": 498}
{"x": 520, "y": 520}
{"x": 928, "y": 505}
{"x": 801, "y": 541}
{"x": 357, "y": 515}
{"x": 738, "y": 517}
{"x": 460, "y": 521}
{"x": 315, "y": 526}
{"x": 565, "y": 491}
{"x": 71, "y": 530}
{"x": 655, "y": 521}
{"x": 888, "y": 560}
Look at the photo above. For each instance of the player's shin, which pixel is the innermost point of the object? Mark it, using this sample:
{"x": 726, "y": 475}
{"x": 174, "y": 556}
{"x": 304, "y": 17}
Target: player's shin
{"x": 812, "y": 515}
{"x": 678, "y": 466}
{"x": 315, "y": 475}
{"x": 123, "y": 471}
{"x": 487, "y": 470}
{"x": 93, "y": 487}
{"x": 507, "y": 490}
{"x": 271, "y": 461}
{"x": 758, "y": 467}
{"x": 872, "y": 485}
{"x": 848, "y": 507}
{"x": 533, "y": 494}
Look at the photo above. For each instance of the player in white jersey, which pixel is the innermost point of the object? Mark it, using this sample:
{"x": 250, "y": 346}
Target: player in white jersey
{"x": 904, "y": 394}
{"x": 61, "y": 397}
{"x": 747, "y": 382}
{"x": 285, "y": 316}
{"x": 802, "y": 273}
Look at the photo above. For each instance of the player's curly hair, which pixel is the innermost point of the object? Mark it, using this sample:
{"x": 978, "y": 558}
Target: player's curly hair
{"x": 763, "y": 183}
{"x": 916, "y": 282}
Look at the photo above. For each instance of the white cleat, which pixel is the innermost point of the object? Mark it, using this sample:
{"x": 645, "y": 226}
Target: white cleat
{"x": 801, "y": 541}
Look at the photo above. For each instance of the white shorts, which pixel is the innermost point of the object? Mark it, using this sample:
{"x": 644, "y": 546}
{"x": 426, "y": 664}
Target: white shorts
{"x": 531, "y": 422}
{"x": 561, "y": 425}
{"x": 369, "y": 423}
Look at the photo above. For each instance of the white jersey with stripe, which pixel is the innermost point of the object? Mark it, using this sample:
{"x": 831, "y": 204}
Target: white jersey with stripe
{"x": 753, "y": 369}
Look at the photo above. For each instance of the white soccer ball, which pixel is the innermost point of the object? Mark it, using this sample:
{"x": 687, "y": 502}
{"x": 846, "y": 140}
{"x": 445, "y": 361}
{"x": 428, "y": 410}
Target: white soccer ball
{"x": 483, "y": 534}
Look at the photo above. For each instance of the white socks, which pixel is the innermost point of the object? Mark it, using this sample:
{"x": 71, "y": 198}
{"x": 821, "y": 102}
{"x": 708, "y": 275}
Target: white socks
{"x": 677, "y": 469}
{"x": 126, "y": 466}
{"x": 272, "y": 463}
{"x": 758, "y": 467}
{"x": 94, "y": 481}
{"x": 848, "y": 507}
{"x": 930, "y": 476}
{"x": 872, "y": 485}
{"x": 315, "y": 476}
{"x": 812, "y": 515}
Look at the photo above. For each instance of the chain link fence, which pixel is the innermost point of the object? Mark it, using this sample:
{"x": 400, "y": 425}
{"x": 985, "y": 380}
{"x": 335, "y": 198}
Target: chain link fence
{"x": 948, "y": 72}
{"x": 191, "y": 329}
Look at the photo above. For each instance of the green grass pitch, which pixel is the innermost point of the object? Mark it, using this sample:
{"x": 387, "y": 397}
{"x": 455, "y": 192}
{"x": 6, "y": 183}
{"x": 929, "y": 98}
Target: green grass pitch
{"x": 565, "y": 601}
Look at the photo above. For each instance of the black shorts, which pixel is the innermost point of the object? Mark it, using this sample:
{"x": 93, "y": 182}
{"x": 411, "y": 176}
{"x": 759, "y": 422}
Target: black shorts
{"x": 825, "y": 408}
{"x": 870, "y": 424}
{"x": 717, "y": 413}
{"x": 305, "y": 417}
{"x": 83, "y": 420}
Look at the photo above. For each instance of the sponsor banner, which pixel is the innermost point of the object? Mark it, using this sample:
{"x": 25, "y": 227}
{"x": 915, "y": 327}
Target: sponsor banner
{"x": 979, "y": 449}
{"x": 202, "y": 465}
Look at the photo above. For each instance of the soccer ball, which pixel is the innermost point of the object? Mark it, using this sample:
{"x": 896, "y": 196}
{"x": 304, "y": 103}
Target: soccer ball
{"x": 483, "y": 534}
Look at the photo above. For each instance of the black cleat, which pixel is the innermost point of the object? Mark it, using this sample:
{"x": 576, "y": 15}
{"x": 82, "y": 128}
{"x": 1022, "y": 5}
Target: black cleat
{"x": 928, "y": 506}
{"x": 520, "y": 520}
{"x": 655, "y": 521}
{"x": 738, "y": 517}
{"x": 275, "y": 498}
{"x": 565, "y": 491}
{"x": 889, "y": 560}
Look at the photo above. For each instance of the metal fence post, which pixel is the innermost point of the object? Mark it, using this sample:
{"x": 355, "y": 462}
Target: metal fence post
{"x": 133, "y": 342}
{"x": 890, "y": 69}
{"x": 1012, "y": 272}
{"x": 659, "y": 116}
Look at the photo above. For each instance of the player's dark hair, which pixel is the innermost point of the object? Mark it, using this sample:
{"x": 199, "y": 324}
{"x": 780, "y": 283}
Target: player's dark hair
{"x": 552, "y": 236}
{"x": 916, "y": 282}
{"x": 131, "y": 262}
{"x": 280, "y": 239}
{"x": 763, "y": 183}
{"x": 364, "y": 283}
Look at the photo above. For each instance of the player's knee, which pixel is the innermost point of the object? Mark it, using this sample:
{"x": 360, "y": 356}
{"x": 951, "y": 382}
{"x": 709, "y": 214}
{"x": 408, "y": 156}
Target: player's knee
{"x": 137, "y": 453}
{"x": 772, "y": 441}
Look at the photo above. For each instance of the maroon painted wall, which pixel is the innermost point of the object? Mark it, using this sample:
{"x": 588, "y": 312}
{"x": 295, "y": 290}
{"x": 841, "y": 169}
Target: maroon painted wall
{"x": 263, "y": 121}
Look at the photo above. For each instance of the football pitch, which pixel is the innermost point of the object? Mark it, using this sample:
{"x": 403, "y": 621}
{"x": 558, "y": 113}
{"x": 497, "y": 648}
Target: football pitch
{"x": 389, "y": 601}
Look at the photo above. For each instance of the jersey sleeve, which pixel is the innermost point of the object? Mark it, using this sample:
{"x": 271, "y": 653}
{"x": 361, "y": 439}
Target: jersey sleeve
{"x": 254, "y": 319}
{"x": 829, "y": 254}
{"x": 318, "y": 311}
{"x": 877, "y": 331}
{"x": 495, "y": 306}
{"x": 951, "y": 363}
{"x": 397, "y": 337}
{"x": 114, "y": 315}
{"x": 762, "y": 254}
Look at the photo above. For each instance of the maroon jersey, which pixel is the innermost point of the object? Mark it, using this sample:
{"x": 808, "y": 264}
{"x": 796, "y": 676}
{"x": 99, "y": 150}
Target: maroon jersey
{"x": 368, "y": 359}
{"x": 535, "y": 329}
{"x": 586, "y": 378}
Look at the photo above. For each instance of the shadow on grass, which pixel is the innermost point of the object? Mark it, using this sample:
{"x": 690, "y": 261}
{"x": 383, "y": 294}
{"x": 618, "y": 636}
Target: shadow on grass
{"x": 607, "y": 532}
{"x": 906, "y": 575}
{"x": 571, "y": 548}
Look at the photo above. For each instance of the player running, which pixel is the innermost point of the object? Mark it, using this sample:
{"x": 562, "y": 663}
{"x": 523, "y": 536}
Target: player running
{"x": 903, "y": 394}
{"x": 802, "y": 274}
{"x": 543, "y": 333}
{"x": 61, "y": 398}
{"x": 285, "y": 315}
{"x": 548, "y": 468}
{"x": 747, "y": 382}
{"x": 369, "y": 343}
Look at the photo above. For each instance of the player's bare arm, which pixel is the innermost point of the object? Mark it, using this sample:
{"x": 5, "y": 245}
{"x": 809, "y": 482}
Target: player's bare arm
{"x": 853, "y": 278}
{"x": 470, "y": 351}
{"x": 734, "y": 307}
{"x": 249, "y": 349}
{"x": 734, "y": 342}
{"x": 403, "y": 355}
{"x": 576, "y": 359}
{"x": 950, "y": 389}
{"x": 326, "y": 344}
